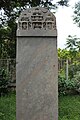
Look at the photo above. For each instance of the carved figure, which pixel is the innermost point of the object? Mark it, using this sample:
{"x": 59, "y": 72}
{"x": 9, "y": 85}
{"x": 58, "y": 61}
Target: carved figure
{"x": 24, "y": 25}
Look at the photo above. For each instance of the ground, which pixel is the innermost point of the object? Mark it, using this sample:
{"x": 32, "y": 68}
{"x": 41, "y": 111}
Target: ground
{"x": 8, "y": 107}
{"x": 69, "y": 107}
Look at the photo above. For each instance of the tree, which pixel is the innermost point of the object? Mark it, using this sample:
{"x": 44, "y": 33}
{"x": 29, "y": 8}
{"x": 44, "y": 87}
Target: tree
{"x": 63, "y": 54}
{"x": 71, "y": 45}
{"x": 78, "y": 45}
{"x": 13, "y": 8}
{"x": 71, "y": 42}
{"x": 7, "y": 43}
{"x": 76, "y": 16}
{"x": 10, "y": 10}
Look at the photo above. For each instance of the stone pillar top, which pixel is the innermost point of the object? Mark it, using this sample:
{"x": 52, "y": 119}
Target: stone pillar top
{"x": 36, "y": 21}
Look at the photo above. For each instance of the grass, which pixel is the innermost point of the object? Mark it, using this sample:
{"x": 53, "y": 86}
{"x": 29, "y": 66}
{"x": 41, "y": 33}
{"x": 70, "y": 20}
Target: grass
{"x": 69, "y": 107}
{"x": 8, "y": 107}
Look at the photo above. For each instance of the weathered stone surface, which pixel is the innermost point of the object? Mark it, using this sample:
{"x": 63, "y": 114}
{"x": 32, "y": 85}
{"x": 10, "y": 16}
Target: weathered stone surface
{"x": 36, "y": 74}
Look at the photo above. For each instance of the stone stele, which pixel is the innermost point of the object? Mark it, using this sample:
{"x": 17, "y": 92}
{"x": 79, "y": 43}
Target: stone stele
{"x": 37, "y": 66}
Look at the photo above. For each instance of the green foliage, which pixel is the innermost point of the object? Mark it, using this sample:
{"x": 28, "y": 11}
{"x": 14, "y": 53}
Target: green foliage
{"x": 4, "y": 82}
{"x": 77, "y": 80}
{"x": 69, "y": 107}
{"x": 73, "y": 68}
{"x": 10, "y": 5}
{"x": 8, "y": 107}
{"x": 7, "y": 43}
{"x": 73, "y": 43}
{"x": 12, "y": 8}
{"x": 72, "y": 85}
{"x": 76, "y": 16}
{"x": 72, "y": 53}
{"x": 78, "y": 45}
{"x": 63, "y": 54}
{"x": 66, "y": 86}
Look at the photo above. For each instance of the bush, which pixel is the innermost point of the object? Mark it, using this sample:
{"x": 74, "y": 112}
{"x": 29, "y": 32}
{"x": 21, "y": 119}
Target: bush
{"x": 73, "y": 68}
{"x": 4, "y": 82}
{"x": 77, "y": 81}
{"x": 66, "y": 86}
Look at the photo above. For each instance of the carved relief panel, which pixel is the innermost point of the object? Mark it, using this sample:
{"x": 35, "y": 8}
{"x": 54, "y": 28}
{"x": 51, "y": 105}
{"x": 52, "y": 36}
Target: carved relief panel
{"x": 37, "y": 19}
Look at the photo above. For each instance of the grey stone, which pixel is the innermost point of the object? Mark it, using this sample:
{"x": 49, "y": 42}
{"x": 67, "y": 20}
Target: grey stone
{"x": 36, "y": 70}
